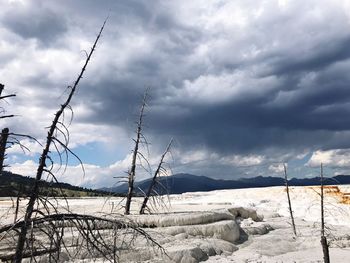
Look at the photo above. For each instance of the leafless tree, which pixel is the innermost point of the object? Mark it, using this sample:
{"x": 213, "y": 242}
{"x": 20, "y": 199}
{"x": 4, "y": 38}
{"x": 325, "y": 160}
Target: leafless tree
{"x": 8, "y": 139}
{"x": 324, "y": 243}
{"x": 135, "y": 154}
{"x": 5, "y": 131}
{"x": 75, "y": 236}
{"x": 160, "y": 169}
{"x": 51, "y": 140}
{"x": 3, "y": 142}
{"x": 288, "y": 197}
{"x": 45, "y": 233}
{"x": 2, "y": 110}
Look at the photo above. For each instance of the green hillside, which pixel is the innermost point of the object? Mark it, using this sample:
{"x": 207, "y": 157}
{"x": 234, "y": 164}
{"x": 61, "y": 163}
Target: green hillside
{"x": 14, "y": 184}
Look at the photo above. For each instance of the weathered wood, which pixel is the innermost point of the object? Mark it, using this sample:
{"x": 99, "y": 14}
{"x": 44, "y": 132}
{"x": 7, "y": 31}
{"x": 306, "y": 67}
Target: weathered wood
{"x": 154, "y": 179}
{"x": 132, "y": 171}
{"x": 2, "y": 86}
{"x": 3, "y": 142}
{"x": 324, "y": 243}
{"x": 289, "y": 202}
{"x": 42, "y": 161}
{"x": 325, "y": 249}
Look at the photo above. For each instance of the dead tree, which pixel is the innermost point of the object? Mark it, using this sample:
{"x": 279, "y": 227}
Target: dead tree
{"x": 289, "y": 202}
{"x": 5, "y": 131}
{"x": 51, "y": 139}
{"x": 2, "y": 87}
{"x": 135, "y": 153}
{"x": 3, "y": 142}
{"x": 95, "y": 237}
{"x": 157, "y": 173}
{"x": 324, "y": 243}
{"x": 7, "y": 140}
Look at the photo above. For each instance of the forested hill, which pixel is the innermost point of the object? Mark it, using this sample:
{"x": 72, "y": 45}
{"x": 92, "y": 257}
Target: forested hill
{"x": 14, "y": 184}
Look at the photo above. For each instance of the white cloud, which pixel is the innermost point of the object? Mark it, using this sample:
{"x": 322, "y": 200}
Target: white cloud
{"x": 243, "y": 160}
{"x": 95, "y": 176}
{"x": 277, "y": 168}
{"x": 215, "y": 89}
{"x": 205, "y": 155}
{"x": 330, "y": 158}
{"x": 24, "y": 146}
{"x": 194, "y": 156}
{"x": 27, "y": 168}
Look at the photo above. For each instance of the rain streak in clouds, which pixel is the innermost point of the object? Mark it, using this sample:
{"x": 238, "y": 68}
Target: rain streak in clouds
{"x": 241, "y": 85}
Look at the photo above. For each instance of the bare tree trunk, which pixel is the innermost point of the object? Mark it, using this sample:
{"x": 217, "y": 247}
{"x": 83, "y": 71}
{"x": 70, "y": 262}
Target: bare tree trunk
{"x": 3, "y": 142}
{"x": 131, "y": 172}
{"x": 42, "y": 161}
{"x": 154, "y": 180}
{"x": 289, "y": 202}
{"x": 324, "y": 242}
{"x": 2, "y": 86}
{"x": 17, "y": 205}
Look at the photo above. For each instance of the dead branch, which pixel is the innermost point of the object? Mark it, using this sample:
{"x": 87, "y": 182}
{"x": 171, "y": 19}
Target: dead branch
{"x": 94, "y": 235}
{"x": 7, "y": 116}
{"x": 7, "y": 96}
{"x": 154, "y": 179}
{"x": 4, "y": 97}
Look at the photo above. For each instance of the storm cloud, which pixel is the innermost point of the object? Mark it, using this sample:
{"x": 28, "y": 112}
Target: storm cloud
{"x": 266, "y": 80}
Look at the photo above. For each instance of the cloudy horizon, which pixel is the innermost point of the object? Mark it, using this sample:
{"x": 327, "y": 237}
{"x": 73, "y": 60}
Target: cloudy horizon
{"x": 242, "y": 86}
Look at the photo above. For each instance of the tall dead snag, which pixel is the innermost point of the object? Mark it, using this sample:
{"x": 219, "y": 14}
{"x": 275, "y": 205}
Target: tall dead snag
{"x": 132, "y": 170}
{"x": 44, "y": 156}
{"x": 324, "y": 243}
{"x": 157, "y": 173}
{"x": 288, "y": 196}
{"x": 5, "y": 131}
{"x": 3, "y": 142}
{"x": 2, "y": 110}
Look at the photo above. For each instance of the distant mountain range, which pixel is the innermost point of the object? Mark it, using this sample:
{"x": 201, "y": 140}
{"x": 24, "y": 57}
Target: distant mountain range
{"x": 181, "y": 183}
{"x": 14, "y": 184}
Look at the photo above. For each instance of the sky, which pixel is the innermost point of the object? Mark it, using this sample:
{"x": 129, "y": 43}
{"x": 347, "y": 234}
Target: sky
{"x": 242, "y": 86}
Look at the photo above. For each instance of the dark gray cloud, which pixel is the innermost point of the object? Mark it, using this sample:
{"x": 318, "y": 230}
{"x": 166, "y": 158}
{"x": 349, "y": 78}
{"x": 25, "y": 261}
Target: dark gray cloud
{"x": 238, "y": 78}
{"x": 35, "y": 23}
{"x": 305, "y": 104}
